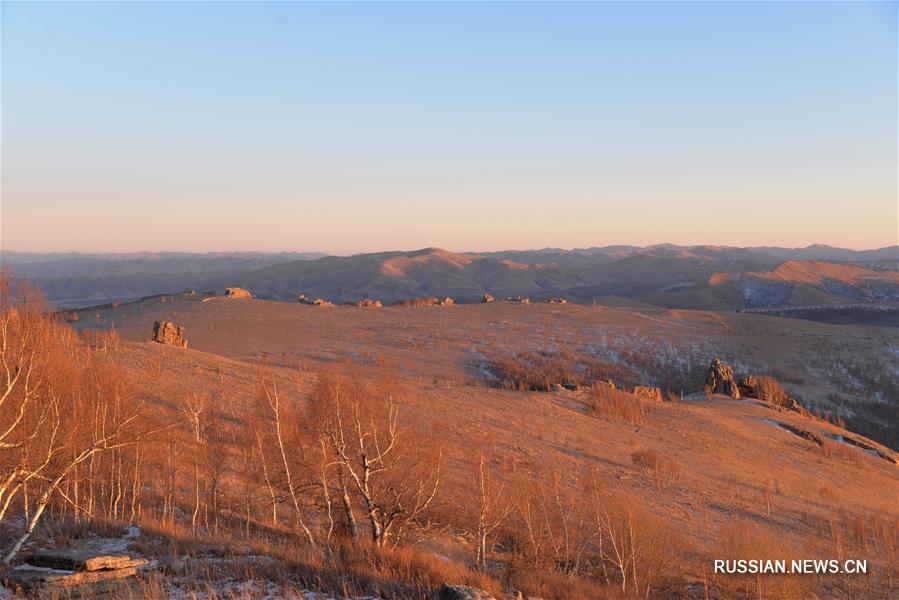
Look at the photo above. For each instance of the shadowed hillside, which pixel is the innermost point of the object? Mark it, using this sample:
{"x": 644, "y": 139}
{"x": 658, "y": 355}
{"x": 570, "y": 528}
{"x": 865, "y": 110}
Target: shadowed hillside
{"x": 699, "y": 277}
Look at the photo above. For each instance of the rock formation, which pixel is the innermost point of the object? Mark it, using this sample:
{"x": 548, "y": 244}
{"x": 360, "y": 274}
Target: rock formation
{"x": 73, "y": 573}
{"x": 322, "y": 302}
{"x": 488, "y": 298}
{"x": 557, "y": 301}
{"x": 166, "y": 332}
{"x": 446, "y": 302}
{"x": 720, "y": 380}
{"x": 236, "y": 292}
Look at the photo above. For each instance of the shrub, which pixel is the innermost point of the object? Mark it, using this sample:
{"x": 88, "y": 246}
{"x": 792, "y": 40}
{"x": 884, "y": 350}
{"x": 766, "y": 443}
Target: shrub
{"x": 540, "y": 371}
{"x": 770, "y": 390}
{"x": 653, "y": 463}
{"x": 618, "y": 405}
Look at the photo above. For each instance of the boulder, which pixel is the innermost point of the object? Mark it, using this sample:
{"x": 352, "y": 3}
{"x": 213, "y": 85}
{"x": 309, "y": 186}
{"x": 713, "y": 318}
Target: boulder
{"x": 652, "y": 393}
{"x": 720, "y": 379}
{"x": 462, "y": 592}
{"x": 236, "y": 292}
{"x": 303, "y": 300}
{"x": 446, "y": 302}
{"x": 166, "y": 332}
{"x": 488, "y": 298}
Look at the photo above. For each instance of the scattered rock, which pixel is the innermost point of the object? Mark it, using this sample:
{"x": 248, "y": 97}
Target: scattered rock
{"x": 236, "y": 292}
{"x": 488, "y": 298}
{"x": 720, "y": 379}
{"x": 166, "y": 332}
{"x": 418, "y": 302}
{"x": 366, "y": 303}
{"x": 462, "y": 592}
{"x": 653, "y": 393}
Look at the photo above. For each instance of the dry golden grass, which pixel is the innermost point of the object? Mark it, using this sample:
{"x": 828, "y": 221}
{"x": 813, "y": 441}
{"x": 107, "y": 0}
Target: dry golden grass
{"x": 667, "y": 478}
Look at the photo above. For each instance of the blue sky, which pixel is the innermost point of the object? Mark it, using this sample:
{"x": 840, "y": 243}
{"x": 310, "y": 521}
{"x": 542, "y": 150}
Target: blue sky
{"x": 370, "y": 126}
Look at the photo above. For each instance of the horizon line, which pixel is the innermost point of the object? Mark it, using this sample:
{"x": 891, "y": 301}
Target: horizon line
{"x": 545, "y": 248}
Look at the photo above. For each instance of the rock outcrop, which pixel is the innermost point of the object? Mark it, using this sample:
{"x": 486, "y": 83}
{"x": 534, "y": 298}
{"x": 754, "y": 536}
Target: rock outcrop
{"x": 720, "y": 379}
{"x": 488, "y": 298}
{"x": 446, "y": 301}
{"x": 462, "y": 592}
{"x": 166, "y": 332}
{"x": 322, "y": 302}
{"x": 557, "y": 301}
{"x": 73, "y": 573}
{"x": 236, "y": 292}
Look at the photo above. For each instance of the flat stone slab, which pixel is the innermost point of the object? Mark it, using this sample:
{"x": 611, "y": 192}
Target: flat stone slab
{"x": 83, "y": 560}
{"x": 31, "y": 577}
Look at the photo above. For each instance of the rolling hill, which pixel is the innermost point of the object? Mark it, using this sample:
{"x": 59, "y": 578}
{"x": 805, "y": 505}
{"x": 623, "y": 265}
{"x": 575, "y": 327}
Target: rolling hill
{"x": 700, "y": 277}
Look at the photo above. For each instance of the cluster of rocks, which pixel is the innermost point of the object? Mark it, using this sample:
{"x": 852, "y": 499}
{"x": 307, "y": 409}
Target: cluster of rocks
{"x": 556, "y": 301}
{"x": 302, "y": 299}
{"x": 424, "y": 301}
{"x": 365, "y": 303}
{"x": 236, "y": 292}
{"x": 166, "y": 332}
{"x": 720, "y": 379}
{"x": 517, "y": 299}
{"x": 72, "y": 573}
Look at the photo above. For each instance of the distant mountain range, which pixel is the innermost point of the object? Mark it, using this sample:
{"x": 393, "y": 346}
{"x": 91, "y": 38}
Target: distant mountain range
{"x": 701, "y": 277}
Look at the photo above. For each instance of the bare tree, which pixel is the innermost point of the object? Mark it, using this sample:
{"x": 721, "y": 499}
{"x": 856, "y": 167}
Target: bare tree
{"x": 273, "y": 398}
{"x": 395, "y": 483}
{"x": 491, "y": 510}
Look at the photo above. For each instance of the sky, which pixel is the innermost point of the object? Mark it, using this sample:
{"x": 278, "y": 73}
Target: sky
{"x": 355, "y": 127}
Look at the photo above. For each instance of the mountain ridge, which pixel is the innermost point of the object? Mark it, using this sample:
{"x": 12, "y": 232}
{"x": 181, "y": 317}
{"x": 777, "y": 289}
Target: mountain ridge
{"x": 667, "y": 275}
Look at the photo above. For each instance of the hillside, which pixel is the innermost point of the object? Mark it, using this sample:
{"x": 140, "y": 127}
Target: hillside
{"x": 842, "y": 370}
{"x": 705, "y": 474}
{"x": 696, "y": 277}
